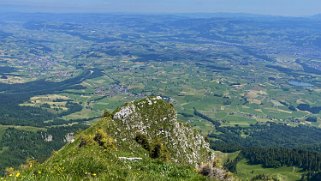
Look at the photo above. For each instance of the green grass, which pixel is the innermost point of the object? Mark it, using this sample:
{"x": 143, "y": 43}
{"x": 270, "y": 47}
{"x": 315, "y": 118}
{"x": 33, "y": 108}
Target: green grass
{"x": 225, "y": 157}
{"x": 93, "y": 157}
{"x": 246, "y": 171}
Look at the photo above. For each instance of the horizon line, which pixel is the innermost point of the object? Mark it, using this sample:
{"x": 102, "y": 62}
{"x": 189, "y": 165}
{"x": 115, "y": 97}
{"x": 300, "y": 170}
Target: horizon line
{"x": 165, "y": 13}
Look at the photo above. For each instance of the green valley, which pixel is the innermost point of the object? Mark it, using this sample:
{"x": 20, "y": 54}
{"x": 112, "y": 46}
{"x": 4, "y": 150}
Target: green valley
{"x": 249, "y": 84}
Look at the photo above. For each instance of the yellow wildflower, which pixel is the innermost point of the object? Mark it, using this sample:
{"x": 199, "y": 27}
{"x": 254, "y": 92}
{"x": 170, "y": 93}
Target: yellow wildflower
{"x": 94, "y": 174}
{"x": 18, "y": 174}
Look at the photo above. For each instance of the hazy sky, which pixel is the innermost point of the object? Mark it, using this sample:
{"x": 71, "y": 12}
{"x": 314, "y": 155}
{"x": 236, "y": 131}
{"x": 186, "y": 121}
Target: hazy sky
{"x": 269, "y": 7}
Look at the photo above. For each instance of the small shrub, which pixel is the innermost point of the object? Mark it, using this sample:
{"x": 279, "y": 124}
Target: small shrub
{"x": 143, "y": 141}
{"x": 103, "y": 139}
{"x": 30, "y": 163}
{"x": 159, "y": 150}
{"x": 85, "y": 140}
{"x": 100, "y": 137}
{"x": 107, "y": 114}
{"x": 206, "y": 170}
{"x": 9, "y": 171}
{"x": 156, "y": 151}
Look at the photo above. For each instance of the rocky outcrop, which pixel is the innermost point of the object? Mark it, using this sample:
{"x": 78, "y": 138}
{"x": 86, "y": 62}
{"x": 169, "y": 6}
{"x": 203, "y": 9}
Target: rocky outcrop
{"x": 142, "y": 139}
{"x": 156, "y": 120}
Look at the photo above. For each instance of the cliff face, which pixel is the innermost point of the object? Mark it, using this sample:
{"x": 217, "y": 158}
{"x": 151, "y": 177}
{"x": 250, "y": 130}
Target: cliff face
{"x": 156, "y": 120}
{"x": 141, "y": 140}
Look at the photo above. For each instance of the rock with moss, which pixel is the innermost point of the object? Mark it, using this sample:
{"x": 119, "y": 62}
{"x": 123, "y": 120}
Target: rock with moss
{"x": 155, "y": 119}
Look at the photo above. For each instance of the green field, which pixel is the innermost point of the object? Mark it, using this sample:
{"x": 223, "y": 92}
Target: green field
{"x": 234, "y": 72}
{"x": 247, "y": 172}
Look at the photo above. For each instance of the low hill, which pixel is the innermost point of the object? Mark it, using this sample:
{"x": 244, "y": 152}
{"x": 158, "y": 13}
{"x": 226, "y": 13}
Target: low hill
{"x": 141, "y": 140}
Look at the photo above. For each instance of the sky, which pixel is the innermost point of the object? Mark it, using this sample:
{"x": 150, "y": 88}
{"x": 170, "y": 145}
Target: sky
{"x": 266, "y": 7}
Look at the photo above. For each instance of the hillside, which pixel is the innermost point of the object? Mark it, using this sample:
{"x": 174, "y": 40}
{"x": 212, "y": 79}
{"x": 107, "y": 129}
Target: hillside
{"x": 141, "y": 140}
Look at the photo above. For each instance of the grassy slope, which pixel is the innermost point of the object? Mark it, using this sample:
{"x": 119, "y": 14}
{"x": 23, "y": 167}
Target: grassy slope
{"x": 94, "y": 162}
{"x": 246, "y": 171}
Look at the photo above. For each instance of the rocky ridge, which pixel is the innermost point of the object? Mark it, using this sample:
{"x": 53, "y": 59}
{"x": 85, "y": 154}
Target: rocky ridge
{"x": 141, "y": 140}
{"x": 156, "y": 119}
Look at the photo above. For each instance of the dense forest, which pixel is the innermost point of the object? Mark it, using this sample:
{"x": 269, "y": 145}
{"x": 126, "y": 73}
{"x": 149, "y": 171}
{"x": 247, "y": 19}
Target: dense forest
{"x": 278, "y": 157}
{"x": 272, "y": 145}
{"x": 19, "y": 145}
{"x": 231, "y": 139}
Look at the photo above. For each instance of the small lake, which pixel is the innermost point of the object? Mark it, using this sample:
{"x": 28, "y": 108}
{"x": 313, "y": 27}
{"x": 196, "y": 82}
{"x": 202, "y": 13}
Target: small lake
{"x": 300, "y": 84}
